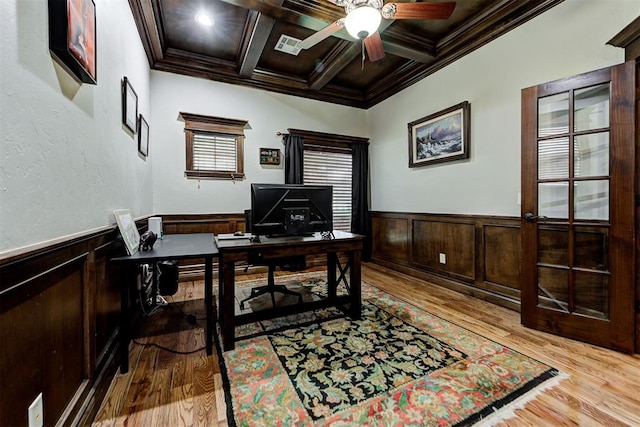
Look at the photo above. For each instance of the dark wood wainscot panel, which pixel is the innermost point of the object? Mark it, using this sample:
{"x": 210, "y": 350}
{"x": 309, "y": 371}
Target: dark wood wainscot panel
{"x": 200, "y": 223}
{"x": 58, "y": 317}
{"x": 473, "y": 254}
{"x": 390, "y": 238}
{"x": 446, "y": 248}
{"x": 501, "y": 259}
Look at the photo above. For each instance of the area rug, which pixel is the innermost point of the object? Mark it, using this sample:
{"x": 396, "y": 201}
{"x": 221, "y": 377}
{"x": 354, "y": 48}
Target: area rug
{"x": 399, "y": 365}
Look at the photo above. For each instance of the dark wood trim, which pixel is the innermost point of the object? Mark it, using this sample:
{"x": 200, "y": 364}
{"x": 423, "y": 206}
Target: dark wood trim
{"x": 334, "y": 139}
{"x": 629, "y": 39}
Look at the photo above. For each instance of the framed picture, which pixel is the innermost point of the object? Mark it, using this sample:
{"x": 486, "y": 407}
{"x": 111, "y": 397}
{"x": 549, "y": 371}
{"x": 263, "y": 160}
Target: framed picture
{"x": 128, "y": 230}
{"x": 143, "y": 136}
{"x": 269, "y": 156}
{"x": 129, "y": 105}
{"x": 72, "y": 37}
{"x": 440, "y": 137}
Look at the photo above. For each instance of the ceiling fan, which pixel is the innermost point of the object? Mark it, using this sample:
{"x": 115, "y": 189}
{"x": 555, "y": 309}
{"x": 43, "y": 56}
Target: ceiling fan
{"x": 364, "y": 17}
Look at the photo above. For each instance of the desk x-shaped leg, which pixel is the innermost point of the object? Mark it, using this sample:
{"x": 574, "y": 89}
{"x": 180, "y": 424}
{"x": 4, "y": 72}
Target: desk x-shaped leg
{"x": 343, "y": 272}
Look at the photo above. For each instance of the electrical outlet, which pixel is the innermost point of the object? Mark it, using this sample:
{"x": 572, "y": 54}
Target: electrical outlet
{"x": 443, "y": 258}
{"x": 36, "y": 413}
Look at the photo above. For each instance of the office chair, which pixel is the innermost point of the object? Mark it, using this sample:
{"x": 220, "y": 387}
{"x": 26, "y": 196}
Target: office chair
{"x": 272, "y": 264}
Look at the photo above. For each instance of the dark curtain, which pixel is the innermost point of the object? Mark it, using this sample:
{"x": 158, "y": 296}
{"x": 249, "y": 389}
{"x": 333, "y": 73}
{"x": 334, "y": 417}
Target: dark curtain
{"x": 293, "y": 174}
{"x": 360, "y": 218}
{"x": 293, "y": 159}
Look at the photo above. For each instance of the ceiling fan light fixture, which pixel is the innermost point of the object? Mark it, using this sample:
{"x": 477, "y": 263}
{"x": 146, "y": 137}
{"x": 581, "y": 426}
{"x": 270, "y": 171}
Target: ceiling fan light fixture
{"x": 362, "y": 22}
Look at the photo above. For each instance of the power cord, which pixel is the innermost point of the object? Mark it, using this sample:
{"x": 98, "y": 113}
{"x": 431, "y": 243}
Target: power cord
{"x": 170, "y": 350}
{"x": 191, "y": 318}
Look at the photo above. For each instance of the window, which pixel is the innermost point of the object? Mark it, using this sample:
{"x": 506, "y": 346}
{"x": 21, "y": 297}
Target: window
{"x": 332, "y": 168}
{"x": 328, "y": 160}
{"x": 214, "y": 147}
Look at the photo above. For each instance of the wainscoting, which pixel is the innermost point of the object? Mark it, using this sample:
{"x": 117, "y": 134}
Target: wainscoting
{"x": 59, "y": 312}
{"x": 481, "y": 253}
{"x": 58, "y": 321}
{"x": 59, "y": 304}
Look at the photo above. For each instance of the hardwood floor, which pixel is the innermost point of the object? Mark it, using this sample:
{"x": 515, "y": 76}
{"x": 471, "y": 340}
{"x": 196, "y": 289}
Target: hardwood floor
{"x": 167, "y": 389}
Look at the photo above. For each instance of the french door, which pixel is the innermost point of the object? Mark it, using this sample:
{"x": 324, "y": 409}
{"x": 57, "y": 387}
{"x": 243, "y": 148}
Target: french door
{"x": 578, "y": 172}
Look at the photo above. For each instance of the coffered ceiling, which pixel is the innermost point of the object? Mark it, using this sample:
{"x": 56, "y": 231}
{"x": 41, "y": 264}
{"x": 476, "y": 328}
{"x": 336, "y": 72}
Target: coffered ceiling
{"x": 239, "y": 48}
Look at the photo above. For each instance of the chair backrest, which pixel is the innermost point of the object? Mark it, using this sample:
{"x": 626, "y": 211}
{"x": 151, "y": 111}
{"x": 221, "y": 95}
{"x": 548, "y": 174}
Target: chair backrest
{"x": 247, "y": 220}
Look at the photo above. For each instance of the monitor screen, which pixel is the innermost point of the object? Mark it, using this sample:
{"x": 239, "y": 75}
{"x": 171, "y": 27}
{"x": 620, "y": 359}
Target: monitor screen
{"x": 291, "y": 209}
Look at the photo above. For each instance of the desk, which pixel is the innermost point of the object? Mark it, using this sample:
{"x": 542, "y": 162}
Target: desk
{"x": 172, "y": 246}
{"x": 231, "y": 251}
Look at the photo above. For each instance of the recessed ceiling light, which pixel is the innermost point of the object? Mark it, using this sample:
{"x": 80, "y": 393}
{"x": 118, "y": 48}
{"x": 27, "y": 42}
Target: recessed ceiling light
{"x": 204, "y": 19}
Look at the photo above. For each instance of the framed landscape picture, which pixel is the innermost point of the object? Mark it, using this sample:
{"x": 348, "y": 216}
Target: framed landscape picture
{"x": 440, "y": 137}
{"x": 72, "y": 37}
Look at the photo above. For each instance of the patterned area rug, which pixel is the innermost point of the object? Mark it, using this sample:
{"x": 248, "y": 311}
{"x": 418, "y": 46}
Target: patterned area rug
{"x": 399, "y": 365}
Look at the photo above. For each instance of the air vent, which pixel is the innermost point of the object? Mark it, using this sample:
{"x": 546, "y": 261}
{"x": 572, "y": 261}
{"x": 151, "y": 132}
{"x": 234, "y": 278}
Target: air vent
{"x": 288, "y": 44}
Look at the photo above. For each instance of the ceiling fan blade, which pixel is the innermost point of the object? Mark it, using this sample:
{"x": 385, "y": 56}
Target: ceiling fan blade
{"x": 418, "y": 10}
{"x": 316, "y": 38}
{"x": 373, "y": 43}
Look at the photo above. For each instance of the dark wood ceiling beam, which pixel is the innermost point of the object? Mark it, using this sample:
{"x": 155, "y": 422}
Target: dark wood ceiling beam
{"x": 256, "y": 39}
{"x": 338, "y": 58}
{"x": 393, "y": 44}
{"x": 259, "y": 36}
{"x": 404, "y": 51}
{"x": 277, "y": 12}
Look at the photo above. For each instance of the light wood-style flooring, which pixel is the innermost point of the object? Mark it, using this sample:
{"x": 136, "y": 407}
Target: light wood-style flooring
{"x": 167, "y": 389}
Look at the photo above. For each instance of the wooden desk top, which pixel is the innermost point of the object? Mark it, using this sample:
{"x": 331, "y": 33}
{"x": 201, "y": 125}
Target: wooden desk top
{"x": 175, "y": 246}
{"x": 233, "y": 245}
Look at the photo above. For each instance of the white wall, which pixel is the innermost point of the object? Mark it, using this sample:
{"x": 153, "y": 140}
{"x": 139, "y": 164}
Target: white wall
{"x": 65, "y": 159}
{"x": 566, "y": 40}
{"x": 267, "y": 114}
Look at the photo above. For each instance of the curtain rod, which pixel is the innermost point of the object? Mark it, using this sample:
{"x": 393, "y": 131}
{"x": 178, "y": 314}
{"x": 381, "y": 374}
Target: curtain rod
{"x": 281, "y": 134}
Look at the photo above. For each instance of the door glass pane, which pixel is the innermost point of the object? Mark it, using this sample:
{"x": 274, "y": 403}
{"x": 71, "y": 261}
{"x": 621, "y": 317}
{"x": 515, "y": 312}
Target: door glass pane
{"x": 592, "y": 294}
{"x": 591, "y": 155}
{"x": 552, "y": 288}
{"x": 553, "y": 158}
{"x": 592, "y": 200}
{"x": 592, "y": 248}
{"x": 553, "y": 199}
{"x": 553, "y": 244}
{"x": 591, "y": 108}
{"x": 553, "y": 114}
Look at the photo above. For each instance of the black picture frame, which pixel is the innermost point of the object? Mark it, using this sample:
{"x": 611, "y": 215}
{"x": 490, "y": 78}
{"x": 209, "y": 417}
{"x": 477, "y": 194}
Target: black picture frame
{"x": 440, "y": 137}
{"x": 72, "y": 38}
{"x": 143, "y": 136}
{"x": 129, "y": 105}
{"x": 269, "y": 156}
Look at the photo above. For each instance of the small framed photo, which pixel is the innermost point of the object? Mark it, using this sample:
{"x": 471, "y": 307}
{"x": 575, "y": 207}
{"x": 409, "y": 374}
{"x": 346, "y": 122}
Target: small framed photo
{"x": 128, "y": 230}
{"x": 143, "y": 136}
{"x": 440, "y": 137}
{"x": 129, "y": 105}
{"x": 72, "y": 37}
{"x": 269, "y": 156}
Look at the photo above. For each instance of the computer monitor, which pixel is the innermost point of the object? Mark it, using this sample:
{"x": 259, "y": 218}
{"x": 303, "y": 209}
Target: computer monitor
{"x": 291, "y": 209}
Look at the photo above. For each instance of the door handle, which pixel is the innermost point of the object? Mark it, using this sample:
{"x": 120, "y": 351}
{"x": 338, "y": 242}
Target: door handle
{"x": 531, "y": 217}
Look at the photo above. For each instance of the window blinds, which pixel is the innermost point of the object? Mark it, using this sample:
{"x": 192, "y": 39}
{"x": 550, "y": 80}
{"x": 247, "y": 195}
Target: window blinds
{"x": 330, "y": 168}
{"x": 214, "y": 152}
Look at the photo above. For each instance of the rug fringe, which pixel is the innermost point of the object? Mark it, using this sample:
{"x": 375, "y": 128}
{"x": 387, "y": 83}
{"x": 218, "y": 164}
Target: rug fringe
{"x": 508, "y": 411}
